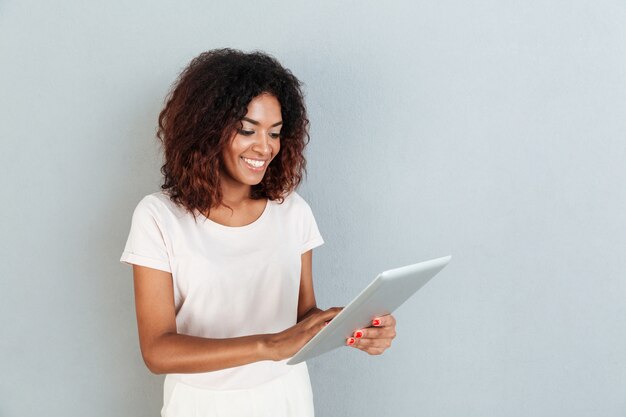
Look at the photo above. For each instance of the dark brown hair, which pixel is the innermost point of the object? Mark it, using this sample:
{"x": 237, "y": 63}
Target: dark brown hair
{"x": 204, "y": 107}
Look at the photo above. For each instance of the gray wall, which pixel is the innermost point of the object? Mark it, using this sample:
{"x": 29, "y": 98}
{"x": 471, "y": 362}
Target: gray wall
{"x": 493, "y": 131}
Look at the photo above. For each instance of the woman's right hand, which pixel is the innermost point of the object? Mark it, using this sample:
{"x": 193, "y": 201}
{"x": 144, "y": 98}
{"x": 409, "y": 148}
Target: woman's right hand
{"x": 285, "y": 344}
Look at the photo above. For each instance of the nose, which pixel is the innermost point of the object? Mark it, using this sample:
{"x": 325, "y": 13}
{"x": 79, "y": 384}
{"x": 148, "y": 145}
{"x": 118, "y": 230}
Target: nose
{"x": 262, "y": 144}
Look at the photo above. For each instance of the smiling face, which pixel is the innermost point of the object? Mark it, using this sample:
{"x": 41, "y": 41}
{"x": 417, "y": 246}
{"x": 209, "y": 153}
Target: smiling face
{"x": 255, "y": 143}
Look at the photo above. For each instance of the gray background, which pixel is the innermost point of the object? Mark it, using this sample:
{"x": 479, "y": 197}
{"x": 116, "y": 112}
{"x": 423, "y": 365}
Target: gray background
{"x": 493, "y": 131}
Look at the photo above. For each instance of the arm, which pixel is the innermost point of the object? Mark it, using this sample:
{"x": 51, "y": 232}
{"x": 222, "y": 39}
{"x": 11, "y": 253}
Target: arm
{"x": 165, "y": 351}
{"x": 306, "y": 298}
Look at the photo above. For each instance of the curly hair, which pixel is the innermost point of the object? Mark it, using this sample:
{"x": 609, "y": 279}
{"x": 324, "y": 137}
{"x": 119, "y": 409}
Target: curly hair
{"x": 203, "y": 109}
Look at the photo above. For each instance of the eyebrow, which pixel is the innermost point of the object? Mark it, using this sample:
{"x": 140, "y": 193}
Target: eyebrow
{"x": 254, "y": 122}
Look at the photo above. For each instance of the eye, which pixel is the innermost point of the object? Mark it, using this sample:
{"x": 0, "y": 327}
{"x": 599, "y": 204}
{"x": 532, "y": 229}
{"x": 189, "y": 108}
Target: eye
{"x": 246, "y": 132}
{"x": 275, "y": 135}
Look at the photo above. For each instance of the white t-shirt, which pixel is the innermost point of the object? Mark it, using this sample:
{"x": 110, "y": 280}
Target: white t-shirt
{"x": 228, "y": 281}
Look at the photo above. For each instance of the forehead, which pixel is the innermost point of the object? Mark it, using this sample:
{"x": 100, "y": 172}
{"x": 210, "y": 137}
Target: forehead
{"x": 264, "y": 108}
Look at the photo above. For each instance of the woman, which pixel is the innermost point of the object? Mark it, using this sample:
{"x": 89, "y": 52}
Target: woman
{"x": 222, "y": 255}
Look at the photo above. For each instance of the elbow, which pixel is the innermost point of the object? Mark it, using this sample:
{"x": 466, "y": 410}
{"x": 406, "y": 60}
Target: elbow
{"x": 154, "y": 365}
{"x": 153, "y": 355}
{"x": 153, "y": 361}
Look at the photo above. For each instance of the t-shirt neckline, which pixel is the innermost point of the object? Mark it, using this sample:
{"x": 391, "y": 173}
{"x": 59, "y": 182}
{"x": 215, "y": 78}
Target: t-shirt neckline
{"x": 248, "y": 226}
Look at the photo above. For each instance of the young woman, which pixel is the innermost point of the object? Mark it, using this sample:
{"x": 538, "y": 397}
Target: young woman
{"x": 222, "y": 255}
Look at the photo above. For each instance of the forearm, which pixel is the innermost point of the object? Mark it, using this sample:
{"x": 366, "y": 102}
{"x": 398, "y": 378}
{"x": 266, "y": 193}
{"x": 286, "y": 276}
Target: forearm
{"x": 180, "y": 353}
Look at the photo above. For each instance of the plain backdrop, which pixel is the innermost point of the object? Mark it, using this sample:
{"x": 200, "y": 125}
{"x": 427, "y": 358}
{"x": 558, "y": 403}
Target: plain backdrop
{"x": 494, "y": 131}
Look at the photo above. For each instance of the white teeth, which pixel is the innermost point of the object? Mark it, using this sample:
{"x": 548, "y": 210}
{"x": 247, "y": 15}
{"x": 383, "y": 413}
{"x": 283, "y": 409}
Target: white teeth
{"x": 256, "y": 164}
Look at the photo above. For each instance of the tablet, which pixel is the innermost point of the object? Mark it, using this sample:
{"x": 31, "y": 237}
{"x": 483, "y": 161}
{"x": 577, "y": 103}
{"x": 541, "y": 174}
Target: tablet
{"x": 382, "y": 296}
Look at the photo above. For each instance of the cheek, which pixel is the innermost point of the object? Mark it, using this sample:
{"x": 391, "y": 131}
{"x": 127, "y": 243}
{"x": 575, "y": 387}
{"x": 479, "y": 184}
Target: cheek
{"x": 237, "y": 146}
{"x": 231, "y": 160}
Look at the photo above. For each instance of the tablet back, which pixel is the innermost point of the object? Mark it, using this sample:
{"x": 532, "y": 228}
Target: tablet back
{"x": 382, "y": 296}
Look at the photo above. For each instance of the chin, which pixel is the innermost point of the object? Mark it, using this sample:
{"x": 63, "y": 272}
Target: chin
{"x": 248, "y": 181}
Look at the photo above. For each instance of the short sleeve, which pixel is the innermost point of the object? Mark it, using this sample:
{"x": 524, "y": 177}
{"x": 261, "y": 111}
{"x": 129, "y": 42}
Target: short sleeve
{"x": 145, "y": 245}
{"x": 311, "y": 237}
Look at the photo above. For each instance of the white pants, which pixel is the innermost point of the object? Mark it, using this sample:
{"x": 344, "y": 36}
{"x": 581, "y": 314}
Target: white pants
{"x": 289, "y": 395}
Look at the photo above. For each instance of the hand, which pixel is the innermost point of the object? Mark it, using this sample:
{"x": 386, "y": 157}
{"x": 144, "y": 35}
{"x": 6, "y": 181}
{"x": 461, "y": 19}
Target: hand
{"x": 285, "y": 344}
{"x": 376, "y": 338}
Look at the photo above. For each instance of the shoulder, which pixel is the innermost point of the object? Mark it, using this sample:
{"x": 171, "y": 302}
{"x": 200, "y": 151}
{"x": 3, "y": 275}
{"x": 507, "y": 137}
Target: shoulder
{"x": 150, "y": 202}
{"x": 294, "y": 201}
{"x": 157, "y": 204}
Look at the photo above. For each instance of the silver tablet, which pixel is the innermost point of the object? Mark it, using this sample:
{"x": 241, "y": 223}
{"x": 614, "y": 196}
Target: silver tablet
{"x": 382, "y": 296}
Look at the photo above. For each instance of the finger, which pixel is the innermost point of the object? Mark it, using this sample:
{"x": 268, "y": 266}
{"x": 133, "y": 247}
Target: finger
{"x": 375, "y": 333}
{"x": 383, "y": 321}
{"x": 374, "y": 351}
{"x": 367, "y": 343}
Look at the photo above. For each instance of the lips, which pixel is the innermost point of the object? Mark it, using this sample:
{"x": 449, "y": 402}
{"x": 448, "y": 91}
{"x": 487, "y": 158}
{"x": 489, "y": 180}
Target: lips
{"x": 254, "y": 164}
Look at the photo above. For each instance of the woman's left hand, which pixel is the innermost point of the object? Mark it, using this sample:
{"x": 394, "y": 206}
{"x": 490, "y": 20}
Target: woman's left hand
{"x": 376, "y": 338}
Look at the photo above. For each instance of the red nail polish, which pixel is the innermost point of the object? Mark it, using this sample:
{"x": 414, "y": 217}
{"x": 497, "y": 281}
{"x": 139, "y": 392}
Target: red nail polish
{"x": 376, "y": 322}
{"x": 358, "y": 334}
{"x": 351, "y": 341}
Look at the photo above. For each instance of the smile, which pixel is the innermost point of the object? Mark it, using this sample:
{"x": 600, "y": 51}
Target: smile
{"x": 253, "y": 164}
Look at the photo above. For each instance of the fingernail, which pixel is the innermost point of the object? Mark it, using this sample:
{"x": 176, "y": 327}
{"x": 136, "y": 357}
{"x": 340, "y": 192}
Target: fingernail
{"x": 358, "y": 334}
{"x": 351, "y": 340}
{"x": 376, "y": 322}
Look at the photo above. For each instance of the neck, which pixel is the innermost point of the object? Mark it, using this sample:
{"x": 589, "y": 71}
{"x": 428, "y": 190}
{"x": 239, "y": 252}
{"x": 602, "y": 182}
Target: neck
{"x": 234, "y": 193}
